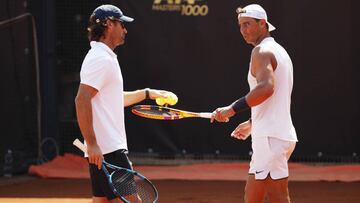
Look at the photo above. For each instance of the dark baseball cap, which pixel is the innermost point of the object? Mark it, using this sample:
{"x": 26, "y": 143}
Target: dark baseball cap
{"x": 111, "y": 12}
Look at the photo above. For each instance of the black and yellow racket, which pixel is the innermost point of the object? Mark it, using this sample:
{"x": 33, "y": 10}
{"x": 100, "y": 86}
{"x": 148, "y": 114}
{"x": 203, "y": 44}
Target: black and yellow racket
{"x": 165, "y": 113}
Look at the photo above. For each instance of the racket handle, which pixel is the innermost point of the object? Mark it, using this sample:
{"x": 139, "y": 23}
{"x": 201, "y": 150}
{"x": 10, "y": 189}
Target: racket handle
{"x": 80, "y": 145}
{"x": 205, "y": 115}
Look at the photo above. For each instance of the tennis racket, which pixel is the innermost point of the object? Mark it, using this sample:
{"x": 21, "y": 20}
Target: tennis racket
{"x": 130, "y": 186}
{"x": 165, "y": 113}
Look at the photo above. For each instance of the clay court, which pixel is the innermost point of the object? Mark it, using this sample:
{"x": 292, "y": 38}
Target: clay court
{"x": 65, "y": 180}
{"x": 195, "y": 49}
{"x": 175, "y": 191}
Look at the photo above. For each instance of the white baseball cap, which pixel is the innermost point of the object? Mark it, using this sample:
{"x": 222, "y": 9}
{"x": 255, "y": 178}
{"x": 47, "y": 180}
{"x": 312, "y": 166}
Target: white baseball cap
{"x": 254, "y": 11}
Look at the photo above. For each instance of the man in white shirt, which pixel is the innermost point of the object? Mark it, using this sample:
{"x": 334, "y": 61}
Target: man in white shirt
{"x": 273, "y": 135}
{"x": 100, "y": 100}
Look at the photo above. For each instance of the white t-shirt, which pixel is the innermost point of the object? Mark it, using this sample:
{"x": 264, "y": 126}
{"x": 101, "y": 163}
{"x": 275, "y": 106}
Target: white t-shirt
{"x": 101, "y": 70}
{"x": 272, "y": 118}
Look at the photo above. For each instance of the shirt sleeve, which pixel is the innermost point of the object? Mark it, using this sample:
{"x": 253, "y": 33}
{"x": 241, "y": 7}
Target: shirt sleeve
{"x": 96, "y": 73}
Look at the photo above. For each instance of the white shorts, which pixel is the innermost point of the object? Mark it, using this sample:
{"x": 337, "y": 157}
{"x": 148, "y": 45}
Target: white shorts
{"x": 270, "y": 155}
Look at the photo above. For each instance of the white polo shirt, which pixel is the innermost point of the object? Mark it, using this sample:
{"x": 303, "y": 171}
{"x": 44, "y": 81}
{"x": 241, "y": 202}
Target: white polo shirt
{"x": 100, "y": 70}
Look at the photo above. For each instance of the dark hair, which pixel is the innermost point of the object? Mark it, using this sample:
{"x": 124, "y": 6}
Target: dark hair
{"x": 96, "y": 29}
{"x": 257, "y": 20}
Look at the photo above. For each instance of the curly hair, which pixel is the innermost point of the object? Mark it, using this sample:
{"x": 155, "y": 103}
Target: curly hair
{"x": 96, "y": 29}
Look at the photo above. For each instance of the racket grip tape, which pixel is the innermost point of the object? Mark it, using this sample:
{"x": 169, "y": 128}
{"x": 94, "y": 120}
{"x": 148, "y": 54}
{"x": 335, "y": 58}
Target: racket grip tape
{"x": 79, "y": 145}
{"x": 205, "y": 115}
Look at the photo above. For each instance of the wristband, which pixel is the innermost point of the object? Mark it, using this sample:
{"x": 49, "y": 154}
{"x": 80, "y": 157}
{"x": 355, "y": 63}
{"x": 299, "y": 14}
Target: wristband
{"x": 147, "y": 93}
{"x": 240, "y": 105}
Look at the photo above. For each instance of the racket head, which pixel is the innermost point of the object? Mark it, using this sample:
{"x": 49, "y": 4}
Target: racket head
{"x": 135, "y": 185}
{"x": 159, "y": 112}
{"x": 130, "y": 185}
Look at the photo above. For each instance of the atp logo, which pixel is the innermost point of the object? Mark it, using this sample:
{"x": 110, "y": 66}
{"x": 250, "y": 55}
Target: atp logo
{"x": 184, "y": 7}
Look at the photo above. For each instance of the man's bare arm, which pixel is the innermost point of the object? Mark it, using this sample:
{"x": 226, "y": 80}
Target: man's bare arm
{"x": 262, "y": 68}
{"x": 133, "y": 97}
{"x": 85, "y": 120}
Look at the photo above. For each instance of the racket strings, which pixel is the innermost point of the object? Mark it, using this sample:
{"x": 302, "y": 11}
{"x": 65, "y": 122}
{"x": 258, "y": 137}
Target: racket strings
{"x": 156, "y": 113}
{"x": 133, "y": 188}
{"x": 145, "y": 190}
{"x": 123, "y": 182}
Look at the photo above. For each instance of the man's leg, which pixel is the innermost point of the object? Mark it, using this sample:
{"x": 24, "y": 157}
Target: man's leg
{"x": 99, "y": 183}
{"x": 277, "y": 190}
{"x": 133, "y": 198}
{"x": 277, "y": 183}
{"x": 254, "y": 190}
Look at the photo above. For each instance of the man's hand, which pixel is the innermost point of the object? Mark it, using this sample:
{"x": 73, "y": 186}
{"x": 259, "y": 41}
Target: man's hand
{"x": 222, "y": 114}
{"x": 153, "y": 94}
{"x": 163, "y": 97}
{"x": 95, "y": 155}
{"x": 242, "y": 131}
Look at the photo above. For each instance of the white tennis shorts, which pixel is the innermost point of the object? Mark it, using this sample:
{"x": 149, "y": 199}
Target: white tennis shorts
{"x": 270, "y": 155}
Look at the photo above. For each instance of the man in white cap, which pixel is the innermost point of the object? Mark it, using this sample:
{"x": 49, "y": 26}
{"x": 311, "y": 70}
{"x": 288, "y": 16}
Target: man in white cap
{"x": 100, "y": 100}
{"x": 272, "y": 132}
